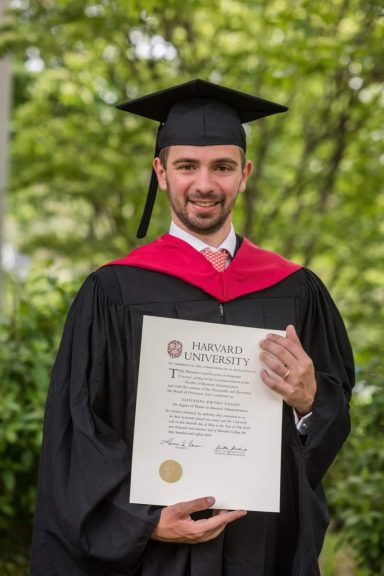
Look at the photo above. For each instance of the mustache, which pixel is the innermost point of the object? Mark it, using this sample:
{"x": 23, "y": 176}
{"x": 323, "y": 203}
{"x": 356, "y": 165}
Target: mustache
{"x": 210, "y": 196}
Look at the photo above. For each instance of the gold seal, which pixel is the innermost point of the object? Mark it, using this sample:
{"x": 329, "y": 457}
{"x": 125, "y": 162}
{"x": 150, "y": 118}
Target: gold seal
{"x": 170, "y": 471}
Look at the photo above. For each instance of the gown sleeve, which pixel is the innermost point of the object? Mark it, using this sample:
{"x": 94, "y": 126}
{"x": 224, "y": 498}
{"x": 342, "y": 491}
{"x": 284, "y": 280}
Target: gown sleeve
{"x": 86, "y": 457}
{"x": 324, "y": 338}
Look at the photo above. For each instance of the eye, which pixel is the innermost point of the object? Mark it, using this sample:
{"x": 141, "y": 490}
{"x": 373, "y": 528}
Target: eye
{"x": 224, "y": 168}
{"x": 186, "y": 167}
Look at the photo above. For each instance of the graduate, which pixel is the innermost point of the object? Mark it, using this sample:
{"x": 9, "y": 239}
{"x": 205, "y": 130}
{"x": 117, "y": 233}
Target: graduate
{"x": 200, "y": 270}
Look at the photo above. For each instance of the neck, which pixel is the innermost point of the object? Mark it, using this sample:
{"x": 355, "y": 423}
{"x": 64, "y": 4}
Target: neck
{"x": 214, "y": 239}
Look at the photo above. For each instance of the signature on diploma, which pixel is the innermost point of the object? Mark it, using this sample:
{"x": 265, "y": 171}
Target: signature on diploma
{"x": 232, "y": 450}
{"x": 183, "y": 444}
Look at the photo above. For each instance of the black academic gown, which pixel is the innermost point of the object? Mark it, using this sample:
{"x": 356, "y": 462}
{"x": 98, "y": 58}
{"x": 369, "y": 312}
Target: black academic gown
{"x": 84, "y": 523}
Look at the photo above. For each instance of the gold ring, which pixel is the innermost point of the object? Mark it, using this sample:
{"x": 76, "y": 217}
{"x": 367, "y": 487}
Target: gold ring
{"x": 286, "y": 374}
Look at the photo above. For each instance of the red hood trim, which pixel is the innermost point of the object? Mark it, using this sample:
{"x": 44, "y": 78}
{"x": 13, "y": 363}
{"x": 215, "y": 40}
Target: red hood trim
{"x": 252, "y": 269}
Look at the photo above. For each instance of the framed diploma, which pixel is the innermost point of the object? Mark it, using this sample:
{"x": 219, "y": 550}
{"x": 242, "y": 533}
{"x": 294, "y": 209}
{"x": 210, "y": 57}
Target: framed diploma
{"x": 206, "y": 424}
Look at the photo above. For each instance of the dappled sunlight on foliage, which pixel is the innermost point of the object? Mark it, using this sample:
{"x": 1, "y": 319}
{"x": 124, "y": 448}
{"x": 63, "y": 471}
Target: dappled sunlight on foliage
{"x": 80, "y": 170}
{"x": 356, "y": 482}
{"x": 29, "y": 338}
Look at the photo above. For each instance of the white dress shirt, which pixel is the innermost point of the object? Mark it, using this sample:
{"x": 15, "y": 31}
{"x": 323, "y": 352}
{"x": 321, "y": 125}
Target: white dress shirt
{"x": 229, "y": 244}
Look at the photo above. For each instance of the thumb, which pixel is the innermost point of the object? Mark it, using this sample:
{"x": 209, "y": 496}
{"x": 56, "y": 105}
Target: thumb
{"x": 292, "y": 334}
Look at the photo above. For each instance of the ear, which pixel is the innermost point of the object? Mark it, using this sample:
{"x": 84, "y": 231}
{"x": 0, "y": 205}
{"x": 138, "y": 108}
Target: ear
{"x": 160, "y": 173}
{"x": 246, "y": 173}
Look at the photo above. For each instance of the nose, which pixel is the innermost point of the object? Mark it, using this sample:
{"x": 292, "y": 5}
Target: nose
{"x": 204, "y": 181}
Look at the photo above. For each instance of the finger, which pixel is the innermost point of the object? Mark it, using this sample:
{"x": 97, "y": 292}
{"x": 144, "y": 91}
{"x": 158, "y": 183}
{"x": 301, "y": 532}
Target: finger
{"x": 279, "y": 386}
{"x": 183, "y": 509}
{"x": 214, "y": 531}
{"x": 217, "y": 521}
{"x": 278, "y": 364}
{"x": 218, "y": 512}
{"x": 286, "y": 349}
{"x": 185, "y": 530}
{"x": 292, "y": 334}
{"x": 194, "y": 531}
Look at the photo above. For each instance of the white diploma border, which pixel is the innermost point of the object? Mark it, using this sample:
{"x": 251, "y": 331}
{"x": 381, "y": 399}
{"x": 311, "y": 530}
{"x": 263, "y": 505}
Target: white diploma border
{"x": 206, "y": 424}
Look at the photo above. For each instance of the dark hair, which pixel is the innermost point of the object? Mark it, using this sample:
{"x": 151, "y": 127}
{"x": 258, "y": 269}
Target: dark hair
{"x": 163, "y": 155}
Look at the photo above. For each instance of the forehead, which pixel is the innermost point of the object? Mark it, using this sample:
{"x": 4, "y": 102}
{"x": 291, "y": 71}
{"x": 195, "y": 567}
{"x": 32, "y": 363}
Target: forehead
{"x": 205, "y": 153}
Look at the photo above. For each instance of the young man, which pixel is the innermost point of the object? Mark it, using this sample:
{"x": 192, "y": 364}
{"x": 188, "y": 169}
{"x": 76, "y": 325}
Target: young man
{"x": 84, "y": 523}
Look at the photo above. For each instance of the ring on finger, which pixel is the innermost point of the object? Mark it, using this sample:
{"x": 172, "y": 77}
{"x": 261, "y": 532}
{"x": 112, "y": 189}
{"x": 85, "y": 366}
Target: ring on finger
{"x": 286, "y": 374}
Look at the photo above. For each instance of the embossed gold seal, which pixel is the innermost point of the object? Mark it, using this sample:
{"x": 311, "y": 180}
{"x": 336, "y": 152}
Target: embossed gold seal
{"x": 170, "y": 471}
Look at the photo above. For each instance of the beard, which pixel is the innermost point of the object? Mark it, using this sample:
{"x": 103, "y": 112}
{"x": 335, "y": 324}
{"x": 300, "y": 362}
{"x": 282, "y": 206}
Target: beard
{"x": 201, "y": 223}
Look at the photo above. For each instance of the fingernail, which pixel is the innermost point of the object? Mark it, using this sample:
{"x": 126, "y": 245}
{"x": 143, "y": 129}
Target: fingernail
{"x": 210, "y": 500}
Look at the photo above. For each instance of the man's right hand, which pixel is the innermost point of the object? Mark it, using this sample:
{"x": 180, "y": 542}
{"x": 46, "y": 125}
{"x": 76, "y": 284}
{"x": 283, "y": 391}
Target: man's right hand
{"x": 177, "y": 526}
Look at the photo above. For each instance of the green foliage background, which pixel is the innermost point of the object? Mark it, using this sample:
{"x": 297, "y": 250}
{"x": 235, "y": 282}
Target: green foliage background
{"x": 79, "y": 170}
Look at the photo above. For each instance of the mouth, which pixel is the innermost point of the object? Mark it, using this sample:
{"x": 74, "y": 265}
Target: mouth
{"x": 204, "y": 208}
{"x": 204, "y": 203}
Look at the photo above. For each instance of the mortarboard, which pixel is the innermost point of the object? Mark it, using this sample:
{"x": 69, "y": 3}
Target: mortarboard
{"x": 197, "y": 113}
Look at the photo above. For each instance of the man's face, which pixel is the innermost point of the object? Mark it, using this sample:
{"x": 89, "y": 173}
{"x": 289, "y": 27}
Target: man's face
{"x": 202, "y": 183}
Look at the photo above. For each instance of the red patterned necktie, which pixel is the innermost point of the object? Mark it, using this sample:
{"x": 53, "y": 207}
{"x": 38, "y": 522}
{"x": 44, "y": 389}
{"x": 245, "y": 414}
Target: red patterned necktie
{"x": 217, "y": 259}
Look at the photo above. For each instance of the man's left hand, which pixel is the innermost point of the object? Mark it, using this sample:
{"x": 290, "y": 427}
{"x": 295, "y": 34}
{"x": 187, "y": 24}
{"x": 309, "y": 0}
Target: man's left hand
{"x": 290, "y": 370}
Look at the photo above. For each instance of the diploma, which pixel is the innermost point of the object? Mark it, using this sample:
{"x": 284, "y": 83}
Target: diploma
{"x": 206, "y": 424}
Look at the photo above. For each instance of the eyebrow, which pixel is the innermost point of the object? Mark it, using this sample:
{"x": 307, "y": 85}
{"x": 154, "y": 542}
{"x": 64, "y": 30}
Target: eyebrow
{"x": 195, "y": 161}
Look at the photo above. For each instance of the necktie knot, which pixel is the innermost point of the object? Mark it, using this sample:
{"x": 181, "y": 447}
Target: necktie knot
{"x": 217, "y": 258}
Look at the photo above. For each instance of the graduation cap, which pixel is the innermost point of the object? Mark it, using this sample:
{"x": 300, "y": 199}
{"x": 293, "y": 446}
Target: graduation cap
{"x": 197, "y": 113}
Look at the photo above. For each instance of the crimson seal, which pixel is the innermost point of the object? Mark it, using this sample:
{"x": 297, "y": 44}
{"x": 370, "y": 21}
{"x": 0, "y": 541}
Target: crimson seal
{"x": 174, "y": 348}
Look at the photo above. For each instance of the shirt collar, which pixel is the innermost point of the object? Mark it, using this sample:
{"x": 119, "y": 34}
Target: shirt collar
{"x": 229, "y": 242}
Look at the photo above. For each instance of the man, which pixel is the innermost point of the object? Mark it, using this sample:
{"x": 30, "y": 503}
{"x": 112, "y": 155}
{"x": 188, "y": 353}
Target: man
{"x": 84, "y": 523}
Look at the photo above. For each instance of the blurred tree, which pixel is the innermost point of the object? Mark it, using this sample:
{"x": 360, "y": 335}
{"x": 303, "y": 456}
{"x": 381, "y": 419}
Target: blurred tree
{"x": 355, "y": 484}
{"x": 80, "y": 168}
{"x": 28, "y": 340}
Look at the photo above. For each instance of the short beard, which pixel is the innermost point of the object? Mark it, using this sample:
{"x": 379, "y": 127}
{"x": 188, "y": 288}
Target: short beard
{"x": 200, "y": 226}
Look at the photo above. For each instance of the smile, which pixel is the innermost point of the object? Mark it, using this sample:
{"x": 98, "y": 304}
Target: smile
{"x": 204, "y": 203}
{"x": 209, "y": 203}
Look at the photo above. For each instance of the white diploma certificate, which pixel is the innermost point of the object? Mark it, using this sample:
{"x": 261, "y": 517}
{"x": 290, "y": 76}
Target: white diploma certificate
{"x": 206, "y": 424}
